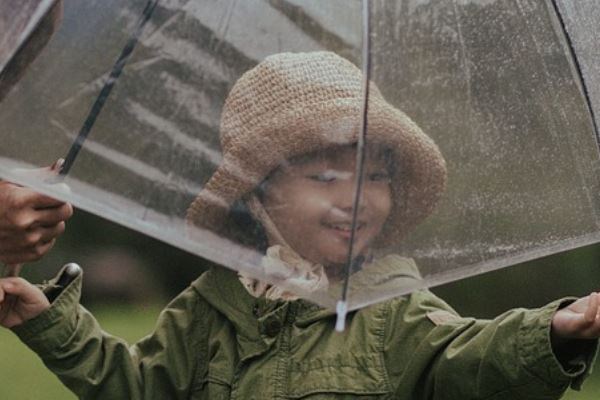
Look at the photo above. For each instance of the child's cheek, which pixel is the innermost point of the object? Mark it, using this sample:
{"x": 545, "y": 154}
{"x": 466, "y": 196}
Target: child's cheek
{"x": 381, "y": 204}
{"x": 384, "y": 200}
{"x": 318, "y": 203}
{"x": 309, "y": 199}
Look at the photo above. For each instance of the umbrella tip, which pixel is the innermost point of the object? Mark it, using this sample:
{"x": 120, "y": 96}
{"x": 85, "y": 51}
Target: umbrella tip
{"x": 69, "y": 273}
{"x": 342, "y": 309}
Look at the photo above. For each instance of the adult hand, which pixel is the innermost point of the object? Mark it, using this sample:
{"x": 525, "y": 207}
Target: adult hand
{"x": 20, "y": 301}
{"x": 29, "y": 223}
{"x": 579, "y": 320}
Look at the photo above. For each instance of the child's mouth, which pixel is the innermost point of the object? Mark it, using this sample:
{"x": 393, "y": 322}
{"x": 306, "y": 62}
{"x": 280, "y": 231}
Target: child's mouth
{"x": 344, "y": 229}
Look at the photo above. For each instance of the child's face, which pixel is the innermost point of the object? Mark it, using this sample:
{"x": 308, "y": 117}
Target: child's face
{"x": 310, "y": 201}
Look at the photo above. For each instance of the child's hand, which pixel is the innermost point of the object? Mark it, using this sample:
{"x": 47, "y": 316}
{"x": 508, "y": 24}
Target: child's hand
{"x": 20, "y": 301}
{"x": 579, "y": 320}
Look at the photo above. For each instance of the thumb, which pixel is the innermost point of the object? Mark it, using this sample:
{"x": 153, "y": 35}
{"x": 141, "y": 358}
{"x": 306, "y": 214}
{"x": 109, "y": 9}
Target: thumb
{"x": 57, "y": 166}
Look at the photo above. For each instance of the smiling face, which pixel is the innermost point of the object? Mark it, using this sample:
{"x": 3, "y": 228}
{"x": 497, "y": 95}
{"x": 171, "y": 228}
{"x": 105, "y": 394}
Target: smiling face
{"x": 310, "y": 201}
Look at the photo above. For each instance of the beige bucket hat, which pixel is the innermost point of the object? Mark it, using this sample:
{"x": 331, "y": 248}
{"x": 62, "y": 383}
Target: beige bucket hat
{"x": 297, "y": 103}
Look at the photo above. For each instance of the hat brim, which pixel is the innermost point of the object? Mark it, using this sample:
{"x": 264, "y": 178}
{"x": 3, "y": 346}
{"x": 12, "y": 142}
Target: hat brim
{"x": 416, "y": 187}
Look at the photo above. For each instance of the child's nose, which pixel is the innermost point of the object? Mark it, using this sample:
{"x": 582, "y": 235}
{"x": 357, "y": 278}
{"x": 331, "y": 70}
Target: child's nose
{"x": 346, "y": 195}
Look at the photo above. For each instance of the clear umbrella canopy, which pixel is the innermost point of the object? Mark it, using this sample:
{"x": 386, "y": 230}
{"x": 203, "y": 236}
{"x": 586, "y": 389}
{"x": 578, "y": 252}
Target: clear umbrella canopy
{"x": 495, "y": 84}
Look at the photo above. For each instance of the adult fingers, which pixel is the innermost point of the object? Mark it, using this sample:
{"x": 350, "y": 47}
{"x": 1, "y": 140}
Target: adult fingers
{"x": 30, "y": 238}
{"x": 25, "y": 197}
{"x": 24, "y": 219}
{"x": 16, "y": 258}
{"x": 41, "y": 249}
{"x": 21, "y": 197}
{"x": 42, "y": 234}
{"x": 27, "y": 240}
{"x": 52, "y": 216}
{"x": 45, "y": 234}
{"x": 18, "y": 212}
{"x": 41, "y": 201}
{"x": 27, "y": 255}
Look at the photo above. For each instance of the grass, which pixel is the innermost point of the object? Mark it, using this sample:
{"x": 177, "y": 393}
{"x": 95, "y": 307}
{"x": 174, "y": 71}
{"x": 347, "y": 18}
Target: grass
{"x": 590, "y": 389}
{"x": 23, "y": 376}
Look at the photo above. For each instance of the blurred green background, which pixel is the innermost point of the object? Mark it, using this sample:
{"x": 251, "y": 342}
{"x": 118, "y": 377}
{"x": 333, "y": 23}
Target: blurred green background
{"x": 114, "y": 257}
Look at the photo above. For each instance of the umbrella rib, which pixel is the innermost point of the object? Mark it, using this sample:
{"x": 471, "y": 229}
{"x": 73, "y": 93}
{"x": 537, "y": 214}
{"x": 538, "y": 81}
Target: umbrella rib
{"x": 342, "y": 306}
{"x": 106, "y": 89}
{"x": 584, "y": 88}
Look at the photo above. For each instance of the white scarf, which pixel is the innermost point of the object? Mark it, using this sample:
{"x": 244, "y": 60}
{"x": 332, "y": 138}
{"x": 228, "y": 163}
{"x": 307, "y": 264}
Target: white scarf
{"x": 282, "y": 264}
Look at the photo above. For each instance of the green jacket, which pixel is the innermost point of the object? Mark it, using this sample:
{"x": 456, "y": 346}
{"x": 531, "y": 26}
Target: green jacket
{"x": 215, "y": 341}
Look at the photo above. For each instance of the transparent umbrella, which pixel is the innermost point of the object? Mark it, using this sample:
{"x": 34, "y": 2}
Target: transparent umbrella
{"x": 506, "y": 90}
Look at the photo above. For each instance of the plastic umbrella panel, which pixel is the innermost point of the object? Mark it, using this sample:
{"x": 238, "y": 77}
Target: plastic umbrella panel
{"x": 156, "y": 141}
{"x": 492, "y": 83}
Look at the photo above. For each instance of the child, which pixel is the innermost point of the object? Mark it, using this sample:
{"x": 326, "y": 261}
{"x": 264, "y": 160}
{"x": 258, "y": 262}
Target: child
{"x": 288, "y": 130}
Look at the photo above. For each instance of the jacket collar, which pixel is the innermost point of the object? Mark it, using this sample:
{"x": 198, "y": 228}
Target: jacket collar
{"x": 222, "y": 289}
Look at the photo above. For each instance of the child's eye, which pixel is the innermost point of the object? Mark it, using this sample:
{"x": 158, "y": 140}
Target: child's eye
{"x": 330, "y": 175}
{"x": 379, "y": 177}
{"x": 325, "y": 177}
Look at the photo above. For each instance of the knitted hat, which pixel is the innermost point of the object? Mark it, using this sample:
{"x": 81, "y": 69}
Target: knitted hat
{"x": 297, "y": 103}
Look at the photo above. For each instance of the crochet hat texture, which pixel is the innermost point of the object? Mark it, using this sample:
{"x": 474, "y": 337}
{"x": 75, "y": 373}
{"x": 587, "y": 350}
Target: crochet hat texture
{"x": 297, "y": 103}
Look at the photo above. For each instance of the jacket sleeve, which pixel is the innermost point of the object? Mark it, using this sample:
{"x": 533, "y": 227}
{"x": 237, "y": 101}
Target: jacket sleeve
{"x": 432, "y": 353}
{"x": 96, "y": 365}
